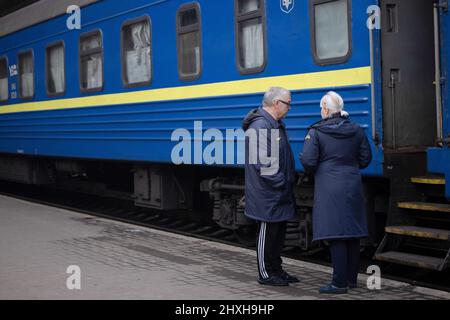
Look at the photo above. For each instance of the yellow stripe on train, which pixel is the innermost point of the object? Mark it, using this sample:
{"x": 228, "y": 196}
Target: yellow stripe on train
{"x": 326, "y": 79}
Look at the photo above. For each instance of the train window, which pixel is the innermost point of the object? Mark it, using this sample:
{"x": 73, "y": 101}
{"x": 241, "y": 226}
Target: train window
{"x": 189, "y": 42}
{"x": 246, "y": 6}
{"x": 26, "y": 75}
{"x": 55, "y": 69}
{"x": 91, "y": 61}
{"x": 4, "y": 79}
{"x": 136, "y": 52}
{"x": 250, "y": 31}
{"x": 331, "y": 31}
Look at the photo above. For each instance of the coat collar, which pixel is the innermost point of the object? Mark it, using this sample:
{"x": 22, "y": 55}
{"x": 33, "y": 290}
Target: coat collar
{"x": 335, "y": 117}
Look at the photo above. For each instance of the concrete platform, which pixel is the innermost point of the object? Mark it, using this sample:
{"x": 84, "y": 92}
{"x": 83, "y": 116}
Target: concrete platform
{"x": 121, "y": 261}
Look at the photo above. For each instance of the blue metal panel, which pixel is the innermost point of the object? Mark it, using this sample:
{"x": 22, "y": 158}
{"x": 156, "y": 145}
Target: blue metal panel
{"x": 439, "y": 162}
{"x": 439, "y": 158}
{"x": 141, "y": 132}
{"x": 445, "y": 65}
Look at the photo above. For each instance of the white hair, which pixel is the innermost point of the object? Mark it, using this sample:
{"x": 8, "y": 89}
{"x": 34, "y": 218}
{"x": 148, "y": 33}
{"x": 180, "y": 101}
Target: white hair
{"x": 273, "y": 94}
{"x": 333, "y": 102}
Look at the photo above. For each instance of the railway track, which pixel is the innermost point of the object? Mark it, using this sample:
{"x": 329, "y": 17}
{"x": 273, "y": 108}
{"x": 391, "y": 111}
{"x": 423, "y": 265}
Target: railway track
{"x": 181, "y": 223}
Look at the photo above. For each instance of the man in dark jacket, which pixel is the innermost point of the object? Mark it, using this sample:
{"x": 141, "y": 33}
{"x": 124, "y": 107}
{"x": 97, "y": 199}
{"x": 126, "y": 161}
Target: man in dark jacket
{"x": 335, "y": 150}
{"x": 269, "y": 187}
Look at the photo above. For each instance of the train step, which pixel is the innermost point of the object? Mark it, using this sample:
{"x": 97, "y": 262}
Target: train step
{"x": 425, "y": 206}
{"x": 413, "y": 260}
{"x": 430, "y": 179}
{"x": 392, "y": 254}
{"x": 419, "y": 232}
{"x": 398, "y": 238}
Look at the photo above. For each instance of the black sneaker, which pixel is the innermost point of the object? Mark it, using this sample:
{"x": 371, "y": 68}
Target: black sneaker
{"x": 330, "y": 289}
{"x": 286, "y": 276}
{"x": 273, "y": 281}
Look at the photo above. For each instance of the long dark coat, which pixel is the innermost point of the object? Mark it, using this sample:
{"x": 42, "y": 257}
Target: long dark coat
{"x": 335, "y": 150}
{"x": 269, "y": 198}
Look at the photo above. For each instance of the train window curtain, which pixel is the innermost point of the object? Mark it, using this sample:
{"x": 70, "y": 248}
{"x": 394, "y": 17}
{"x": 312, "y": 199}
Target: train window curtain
{"x": 251, "y": 38}
{"x": 331, "y": 29}
{"x": 26, "y": 74}
{"x": 252, "y": 52}
{"x": 91, "y": 61}
{"x": 55, "y": 69}
{"x": 189, "y": 42}
{"x": 3, "y": 80}
{"x": 136, "y": 46}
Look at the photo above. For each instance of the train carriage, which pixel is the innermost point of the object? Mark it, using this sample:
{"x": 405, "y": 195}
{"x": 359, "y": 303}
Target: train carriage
{"x": 110, "y": 101}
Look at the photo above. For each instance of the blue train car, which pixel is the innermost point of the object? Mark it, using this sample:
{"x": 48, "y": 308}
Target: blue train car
{"x": 439, "y": 158}
{"x": 123, "y": 122}
{"x": 96, "y": 101}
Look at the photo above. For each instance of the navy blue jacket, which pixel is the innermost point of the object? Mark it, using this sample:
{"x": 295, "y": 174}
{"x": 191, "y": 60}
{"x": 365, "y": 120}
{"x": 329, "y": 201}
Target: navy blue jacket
{"x": 334, "y": 151}
{"x": 269, "y": 198}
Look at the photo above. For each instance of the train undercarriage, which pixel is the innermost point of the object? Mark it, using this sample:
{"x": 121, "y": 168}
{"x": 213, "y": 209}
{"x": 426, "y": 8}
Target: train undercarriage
{"x": 407, "y": 213}
{"x": 215, "y": 193}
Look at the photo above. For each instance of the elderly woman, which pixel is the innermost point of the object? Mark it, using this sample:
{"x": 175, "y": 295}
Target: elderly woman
{"x": 335, "y": 150}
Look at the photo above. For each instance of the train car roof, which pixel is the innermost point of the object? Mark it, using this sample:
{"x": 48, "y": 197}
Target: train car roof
{"x": 36, "y": 13}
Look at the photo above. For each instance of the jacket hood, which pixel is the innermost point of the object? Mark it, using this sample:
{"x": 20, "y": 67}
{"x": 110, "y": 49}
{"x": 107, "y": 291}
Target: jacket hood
{"x": 338, "y": 127}
{"x": 251, "y": 117}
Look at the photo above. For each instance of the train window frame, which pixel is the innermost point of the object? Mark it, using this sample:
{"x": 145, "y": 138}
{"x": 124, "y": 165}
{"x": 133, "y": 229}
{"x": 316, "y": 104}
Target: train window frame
{"x": 127, "y": 23}
{"x": 5, "y": 58}
{"x": 50, "y": 46}
{"x": 90, "y": 52}
{"x": 20, "y": 76}
{"x": 335, "y": 60}
{"x": 184, "y": 30}
{"x": 240, "y": 18}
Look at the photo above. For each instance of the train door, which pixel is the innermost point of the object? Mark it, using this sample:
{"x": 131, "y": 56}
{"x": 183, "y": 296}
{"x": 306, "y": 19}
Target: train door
{"x": 442, "y": 13}
{"x": 408, "y": 71}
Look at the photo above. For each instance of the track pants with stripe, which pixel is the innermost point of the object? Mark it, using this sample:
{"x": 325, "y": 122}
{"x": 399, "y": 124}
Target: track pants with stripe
{"x": 270, "y": 244}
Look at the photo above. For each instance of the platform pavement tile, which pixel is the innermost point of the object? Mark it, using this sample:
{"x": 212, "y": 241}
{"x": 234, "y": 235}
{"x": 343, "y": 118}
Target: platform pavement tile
{"x": 194, "y": 262}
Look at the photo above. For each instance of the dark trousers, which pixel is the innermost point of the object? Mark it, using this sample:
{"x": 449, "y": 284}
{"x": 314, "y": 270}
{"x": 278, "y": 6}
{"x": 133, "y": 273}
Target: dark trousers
{"x": 345, "y": 257}
{"x": 270, "y": 244}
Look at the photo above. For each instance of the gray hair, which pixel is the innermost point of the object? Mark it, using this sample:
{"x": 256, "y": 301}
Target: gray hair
{"x": 333, "y": 101}
{"x": 273, "y": 94}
